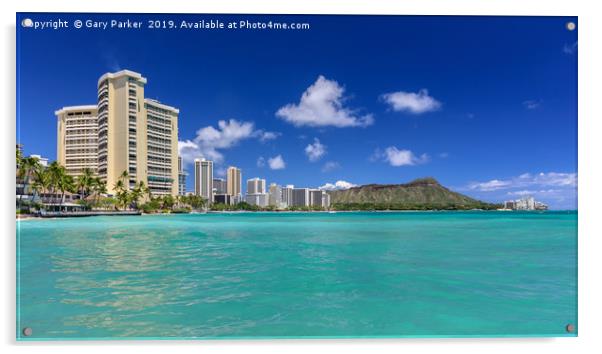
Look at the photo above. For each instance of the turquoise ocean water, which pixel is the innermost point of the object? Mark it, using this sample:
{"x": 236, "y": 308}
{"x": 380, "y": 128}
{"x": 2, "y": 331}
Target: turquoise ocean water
{"x": 298, "y": 275}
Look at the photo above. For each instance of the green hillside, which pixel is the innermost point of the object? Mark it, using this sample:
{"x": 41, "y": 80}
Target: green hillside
{"x": 421, "y": 194}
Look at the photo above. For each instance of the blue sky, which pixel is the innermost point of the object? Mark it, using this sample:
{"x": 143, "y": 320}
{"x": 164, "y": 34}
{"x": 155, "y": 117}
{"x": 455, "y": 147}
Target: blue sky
{"x": 486, "y": 105}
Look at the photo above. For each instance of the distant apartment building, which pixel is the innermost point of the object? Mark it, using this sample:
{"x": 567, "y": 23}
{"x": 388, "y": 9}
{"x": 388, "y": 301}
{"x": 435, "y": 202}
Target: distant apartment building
{"x": 510, "y": 204}
{"x": 315, "y": 197}
{"x": 220, "y": 186}
{"x": 223, "y": 199}
{"x": 527, "y": 203}
{"x": 182, "y": 174}
{"x": 203, "y": 179}
{"x": 325, "y": 200}
{"x": 43, "y": 161}
{"x": 300, "y": 197}
{"x": 124, "y": 131}
{"x": 275, "y": 196}
{"x": 259, "y": 199}
{"x": 77, "y": 138}
{"x": 234, "y": 182}
{"x": 256, "y": 186}
{"x": 287, "y": 195}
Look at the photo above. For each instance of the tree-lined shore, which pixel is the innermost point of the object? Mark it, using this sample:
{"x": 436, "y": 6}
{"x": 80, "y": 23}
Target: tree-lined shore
{"x": 48, "y": 186}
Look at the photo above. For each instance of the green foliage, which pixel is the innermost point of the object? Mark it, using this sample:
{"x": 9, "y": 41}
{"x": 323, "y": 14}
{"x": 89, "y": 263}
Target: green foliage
{"x": 182, "y": 210}
{"x": 194, "y": 201}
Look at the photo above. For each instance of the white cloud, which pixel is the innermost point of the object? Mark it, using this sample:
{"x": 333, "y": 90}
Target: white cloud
{"x": 524, "y": 192}
{"x": 315, "y": 151}
{"x": 260, "y": 161}
{"x": 276, "y": 163}
{"x": 210, "y": 141}
{"x": 330, "y": 166}
{"x": 532, "y": 104}
{"x": 556, "y": 179}
{"x": 557, "y": 189}
{"x": 396, "y": 157}
{"x": 321, "y": 105}
{"x": 338, "y": 185}
{"x": 267, "y": 136}
{"x": 550, "y": 179}
{"x": 489, "y": 186}
{"x": 541, "y": 192}
{"x": 413, "y": 102}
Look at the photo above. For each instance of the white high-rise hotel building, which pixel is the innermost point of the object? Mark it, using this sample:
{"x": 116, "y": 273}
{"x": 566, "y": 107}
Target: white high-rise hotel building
{"x": 203, "y": 179}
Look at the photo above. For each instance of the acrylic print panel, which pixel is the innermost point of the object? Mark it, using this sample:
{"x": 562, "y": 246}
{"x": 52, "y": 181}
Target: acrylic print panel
{"x": 263, "y": 176}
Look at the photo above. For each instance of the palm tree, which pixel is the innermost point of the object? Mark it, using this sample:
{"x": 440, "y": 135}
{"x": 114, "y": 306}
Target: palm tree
{"x": 28, "y": 166}
{"x": 42, "y": 180}
{"x": 121, "y": 192}
{"x": 140, "y": 189}
{"x": 98, "y": 187}
{"x": 65, "y": 184}
{"x": 59, "y": 180}
{"x": 84, "y": 182}
{"x": 53, "y": 177}
{"x": 19, "y": 157}
{"x": 124, "y": 176}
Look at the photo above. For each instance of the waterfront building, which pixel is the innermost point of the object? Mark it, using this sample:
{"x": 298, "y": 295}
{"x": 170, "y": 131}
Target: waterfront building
{"x": 300, "y": 197}
{"x": 220, "y": 186}
{"x": 234, "y": 182}
{"x": 287, "y": 195}
{"x": 315, "y": 197}
{"x": 510, "y": 204}
{"x": 124, "y": 131}
{"x": 77, "y": 138}
{"x": 275, "y": 196}
{"x": 527, "y": 203}
{"x": 325, "y": 200}
{"x": 43, "y": 161}
{"x": 182, "y": 174}
{"x": 256, "y": 186}
{"x": 162, "y": 147}
{"x": 203, "y": 179}
{"x": 236, "y": 199}
{"x": 136, "y": 135}
{"x": 223, "y": 199}
{"x": 259, "y": 199}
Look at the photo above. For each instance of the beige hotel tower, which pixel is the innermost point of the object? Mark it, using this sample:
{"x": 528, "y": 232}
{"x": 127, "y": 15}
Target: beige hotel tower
{"x": 77, "y": 138}
{"x": 134, "y": 134}
{"x": 234, "y": 181}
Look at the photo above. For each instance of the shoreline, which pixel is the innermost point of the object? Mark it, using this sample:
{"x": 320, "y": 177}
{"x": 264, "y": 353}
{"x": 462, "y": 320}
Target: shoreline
{"x": 226, "y": 212}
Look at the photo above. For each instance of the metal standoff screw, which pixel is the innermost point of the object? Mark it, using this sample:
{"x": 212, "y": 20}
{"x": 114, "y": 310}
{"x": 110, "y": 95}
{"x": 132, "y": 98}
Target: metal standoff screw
{"x": 27, "y": 331}
{"x": 27, "y": 22}
{"x": 571, "y": 26}
{"x": 570, "y": 328}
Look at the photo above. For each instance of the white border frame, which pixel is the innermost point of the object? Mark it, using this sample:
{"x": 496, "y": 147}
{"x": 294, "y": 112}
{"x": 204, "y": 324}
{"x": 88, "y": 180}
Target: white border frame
{"x": 590, "y": 178}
